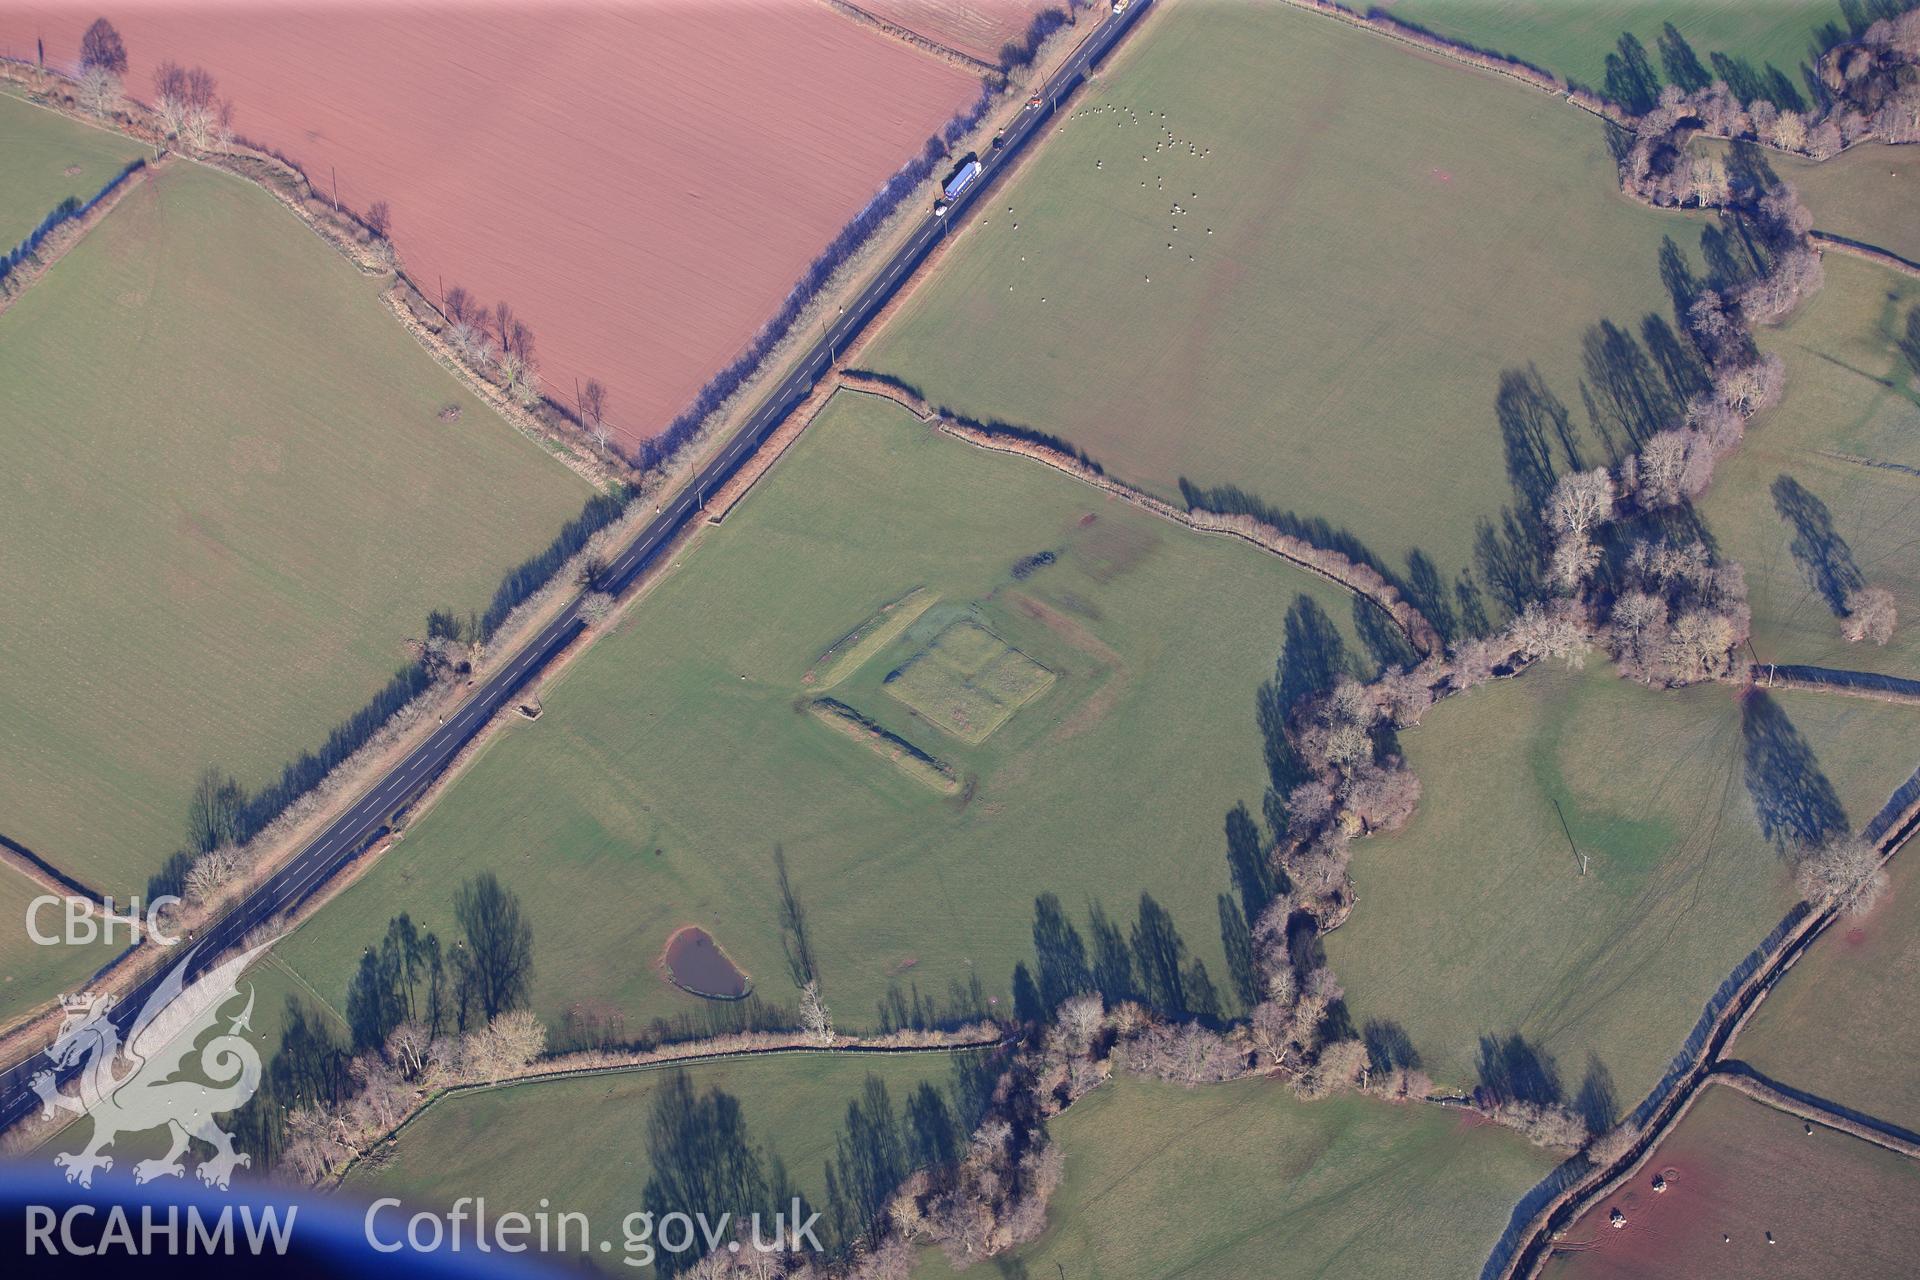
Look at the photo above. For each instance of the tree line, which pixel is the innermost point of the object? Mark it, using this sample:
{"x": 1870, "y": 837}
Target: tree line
{"x": 71, "y": 209}
{"x": 222, "y": 816}
{"x": 419, "y": 1016}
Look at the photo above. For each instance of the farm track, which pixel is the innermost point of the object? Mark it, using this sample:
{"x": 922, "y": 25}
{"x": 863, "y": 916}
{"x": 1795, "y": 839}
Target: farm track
{"x": 392, "y": 794}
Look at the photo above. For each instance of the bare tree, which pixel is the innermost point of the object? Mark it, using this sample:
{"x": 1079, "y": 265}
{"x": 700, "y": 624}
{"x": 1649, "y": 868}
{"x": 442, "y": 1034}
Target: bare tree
{"x": 1613, "y": 1145}
{"x": 1658, "y": 475}
{"x": 1581, "y": 502}
{"x": 190, "y": 106}
{"x": 102, "y": 47}
{"x": 815, "y": 1017}
{"x": 458, "y": 304}
{"x": 1700, "y": 646}
{"x": 497, "y": 960}
{"x": 1543, "y": 1124}
{"x": 1846, "y": 873}
{"x": 596, "y": 608}
{"x": 1789, "y": 131}
{"x": 503, "y": 324}
{"x": 1795, "y": 276}
{"x": 1557, "y": 630}
{"x": 1749, "y": 388}
{"x": 1572, "y": 562}
{"x": 1383, "y": 799}
{"x": 504, "y": 1047}
{"x": 379, "y": 218}
{"x": 1709, "y": 178}
{"x": 99, "y": 90}
{"x": 1081, "y": 1018}
{"x": 1339, "y": 1065}
{"x": 593, "y": 412}
{"x": 1870, "y": 616}
{"x": 520, "y": 341}
{"x": 1637, "y": 633}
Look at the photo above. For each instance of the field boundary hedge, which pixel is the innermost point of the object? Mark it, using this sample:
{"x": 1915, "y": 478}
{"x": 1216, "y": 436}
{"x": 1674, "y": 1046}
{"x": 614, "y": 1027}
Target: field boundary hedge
{"x": 517, "y": 585}
{"x": 72, "y": 209}
{"x": 1796, "y": 1102}
{"x": 1361, "y": 580}
{"x": 907, "y": 35}
{"x": 1525, "y": 1249}
{"x": 38, "y": 869}
{"x": 1869, "y": 252}
{"x": 1378, "y": 21}
{"x": 1862, "y": 684}
{"x": 735, "y": 376}
{"x": 689, "y": 1053}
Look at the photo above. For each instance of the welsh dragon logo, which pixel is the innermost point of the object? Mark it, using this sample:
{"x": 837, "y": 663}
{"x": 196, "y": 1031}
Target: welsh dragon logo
{"x": 157, "y": 1090}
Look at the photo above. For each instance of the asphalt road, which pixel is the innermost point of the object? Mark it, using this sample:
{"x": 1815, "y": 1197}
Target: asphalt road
{"x": 353, "y": 830}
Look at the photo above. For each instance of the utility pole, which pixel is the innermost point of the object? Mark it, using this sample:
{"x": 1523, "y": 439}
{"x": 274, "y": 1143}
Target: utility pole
{"x": 336, "y": 188}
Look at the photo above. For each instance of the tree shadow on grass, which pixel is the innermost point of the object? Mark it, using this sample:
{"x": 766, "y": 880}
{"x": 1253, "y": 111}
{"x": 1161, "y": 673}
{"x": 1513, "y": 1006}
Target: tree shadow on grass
{"x": 1313, "y": 656}
{"x": 1823, "y": 554}
{"x": 1150, "y": 963}
{"x": 1385, "y": 643}
{"x": 1681, "y": 63}
{"x": 1597, "y": 1103}
{"x": 1796, "y": 805}
{"x": 1910, "y": 345}
{"x": 1511, "y": 558}
{"x": 1427, "y": 591}
{"x": 1632, "y": 399}
{"x": 1388, "y": 1046}
{"x": 1679, "y": 363}
{"x": 1513, "y": 1070}
{"x": 1532, "y": 421}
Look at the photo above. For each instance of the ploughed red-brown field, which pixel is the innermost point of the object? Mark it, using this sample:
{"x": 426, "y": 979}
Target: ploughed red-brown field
{"x": 643, "y": 182}
{"x": 1749, "y": 1192}
{"x": 979, "y": 28}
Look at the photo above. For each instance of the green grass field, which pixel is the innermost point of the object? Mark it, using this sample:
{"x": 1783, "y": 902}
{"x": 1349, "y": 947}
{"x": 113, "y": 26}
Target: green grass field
{"x": 1845, "y": 1023}
{"x": 1574, "y": 39}
{"x": 1825, "y": 490}
{"x": 31, "y": 974}
{"x": 967, "y": 681}
{"x": 1796, "y": 1206}
{"x": 37, "y": 148}
{"x": 581, "y": 1144}
{"x": 652, "y": 791}
{"x": 1869, "y": 193}
{"x": 1244, "y": 1179}
{"x": 1369, "y": 239}
{"x": 231, "y": 500}
{"x": 1476, "y": 920}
